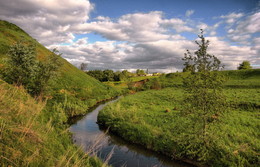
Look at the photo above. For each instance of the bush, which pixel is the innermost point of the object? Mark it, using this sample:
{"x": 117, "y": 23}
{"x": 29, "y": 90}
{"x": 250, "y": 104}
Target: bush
{"x": 23, "y": 68}
{"x": 245, "y": 65}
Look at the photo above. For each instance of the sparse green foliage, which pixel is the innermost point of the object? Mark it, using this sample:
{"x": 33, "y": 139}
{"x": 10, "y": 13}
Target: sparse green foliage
{"x": 245, "y": 65}
{"x": 204, "y": 98}
{"x": 22, "y": 65}
{"x": 83, "y": 66}
{"x": 23, "y": 68}
{"x": 45, "y": 71}
{"x": 188, "y": 68}
{"x": 201, "y": 60}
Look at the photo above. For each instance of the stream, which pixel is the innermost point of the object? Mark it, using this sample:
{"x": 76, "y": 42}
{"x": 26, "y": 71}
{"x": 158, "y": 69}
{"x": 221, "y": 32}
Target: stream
{"x": 87, "y": 134}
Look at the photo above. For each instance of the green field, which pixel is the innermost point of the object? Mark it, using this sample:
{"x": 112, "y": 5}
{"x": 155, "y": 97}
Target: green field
{"x": 154, "y": 119}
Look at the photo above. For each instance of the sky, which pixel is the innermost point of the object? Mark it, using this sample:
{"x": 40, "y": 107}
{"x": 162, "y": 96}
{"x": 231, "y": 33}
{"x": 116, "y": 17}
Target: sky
{"x": 140, "y": 34}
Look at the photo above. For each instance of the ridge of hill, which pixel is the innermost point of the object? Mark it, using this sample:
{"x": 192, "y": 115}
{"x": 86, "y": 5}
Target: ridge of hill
{"x": 79, "y": 90}
{"x": 33, "y": 132}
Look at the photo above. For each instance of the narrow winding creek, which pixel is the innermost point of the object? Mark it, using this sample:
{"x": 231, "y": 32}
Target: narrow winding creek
{"x": 88, "y": 135}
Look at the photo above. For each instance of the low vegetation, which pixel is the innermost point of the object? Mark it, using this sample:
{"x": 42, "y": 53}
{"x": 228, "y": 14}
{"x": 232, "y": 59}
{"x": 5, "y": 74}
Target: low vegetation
{"x": 154, "y": 119}
{"x": 245, "y": 65}
{"x": 28, "y": 136}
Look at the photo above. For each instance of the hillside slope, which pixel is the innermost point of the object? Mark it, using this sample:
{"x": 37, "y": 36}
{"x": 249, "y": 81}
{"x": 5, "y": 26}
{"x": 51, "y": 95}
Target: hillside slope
{"x": 72, "y": 86}
{"x": 27, "y": 139}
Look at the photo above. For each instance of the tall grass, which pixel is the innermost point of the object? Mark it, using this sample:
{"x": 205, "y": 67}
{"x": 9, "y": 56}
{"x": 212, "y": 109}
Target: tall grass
{"x": 28, "y": 139}
{"x": 153, "y": 119}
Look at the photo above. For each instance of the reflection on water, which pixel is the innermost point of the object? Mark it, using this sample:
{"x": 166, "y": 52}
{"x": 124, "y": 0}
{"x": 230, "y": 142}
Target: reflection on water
{"x": 88, "y": 135}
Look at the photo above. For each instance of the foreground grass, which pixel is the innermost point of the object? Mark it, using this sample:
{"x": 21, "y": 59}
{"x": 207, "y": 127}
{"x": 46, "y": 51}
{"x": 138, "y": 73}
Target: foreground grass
{"x": 154, "y": 120}
{"x": 28, "y": 136}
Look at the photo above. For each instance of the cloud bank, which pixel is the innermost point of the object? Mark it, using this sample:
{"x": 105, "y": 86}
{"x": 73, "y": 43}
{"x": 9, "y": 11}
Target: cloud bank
{"x": 137, "y": 40}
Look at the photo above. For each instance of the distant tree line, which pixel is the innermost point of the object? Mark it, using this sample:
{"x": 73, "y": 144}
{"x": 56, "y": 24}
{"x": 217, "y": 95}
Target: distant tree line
{"x": 110, "y": 75}
{"x": 140, "y": 72}
{"x": 189, "y": 67}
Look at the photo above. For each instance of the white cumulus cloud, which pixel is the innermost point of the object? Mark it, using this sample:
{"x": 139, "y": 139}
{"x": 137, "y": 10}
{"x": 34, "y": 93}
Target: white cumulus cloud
{"x": 137, "y": 40}
{"x": 189, "y": 13}
{"x": 48, "y": 21}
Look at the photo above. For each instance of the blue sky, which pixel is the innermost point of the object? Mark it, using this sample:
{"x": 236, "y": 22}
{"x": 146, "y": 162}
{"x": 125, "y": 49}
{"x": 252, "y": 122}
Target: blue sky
{"x": 140, "y": 34}
{"x": 204, "y": 10}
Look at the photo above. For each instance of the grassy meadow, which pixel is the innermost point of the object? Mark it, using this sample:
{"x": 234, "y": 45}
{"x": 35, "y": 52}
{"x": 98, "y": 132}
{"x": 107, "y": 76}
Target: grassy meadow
{"x": 153, "y": 119}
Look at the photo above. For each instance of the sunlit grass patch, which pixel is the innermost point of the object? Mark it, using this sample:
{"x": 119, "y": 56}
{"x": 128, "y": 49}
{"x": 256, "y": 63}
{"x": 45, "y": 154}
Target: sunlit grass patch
{"x": 153, "y": 119}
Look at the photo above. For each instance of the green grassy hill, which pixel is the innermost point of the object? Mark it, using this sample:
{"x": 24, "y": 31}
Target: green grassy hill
{"x": 33, "y": 132}
{"x": 28, "y": 139}
{"x": 79, "y": 90}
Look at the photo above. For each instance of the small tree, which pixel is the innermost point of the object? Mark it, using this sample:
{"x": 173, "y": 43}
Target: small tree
{"x": 98, "y": 74}
{"x": 23, "y": 68}
{"x": 245, "y": 65}
{"x": 108, "y": 75}
{"x": 46, "y": 70}
{"x": 83, "y": 66}
{"x": 204, "y": 100}
{"x": 201, "y": 61}
{"x": 22, "y": 65}
{"x": 124, "y": 75}
{"x": 188, "y": 68}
